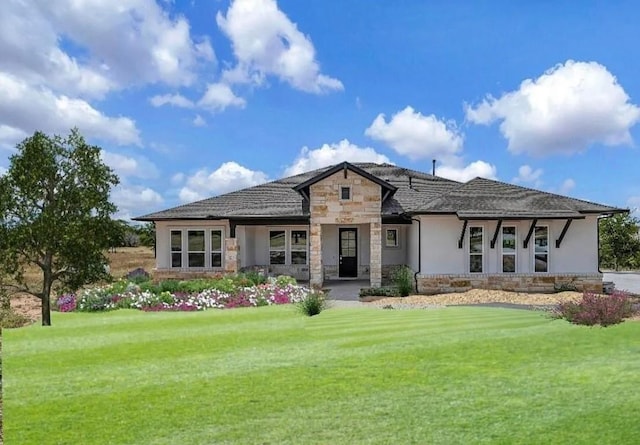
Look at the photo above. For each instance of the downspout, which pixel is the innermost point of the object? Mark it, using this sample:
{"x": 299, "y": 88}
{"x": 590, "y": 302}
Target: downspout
{"x": 415, "y": 275}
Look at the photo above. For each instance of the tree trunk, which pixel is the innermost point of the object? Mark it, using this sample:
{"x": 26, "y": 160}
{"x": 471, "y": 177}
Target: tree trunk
{"x": 46, "y": 291}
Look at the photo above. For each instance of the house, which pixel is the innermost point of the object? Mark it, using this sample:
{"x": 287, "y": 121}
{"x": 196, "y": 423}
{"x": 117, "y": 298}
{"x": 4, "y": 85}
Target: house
{"x": 361, "y": 220}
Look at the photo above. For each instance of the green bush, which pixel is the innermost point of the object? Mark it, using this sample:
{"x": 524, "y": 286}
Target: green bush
{"x": 379, "y": 292}
{"x": 402, "y": 278}
{"x": 255, "y": 277}
{"x": 313, "y": 304}
{"x": 285, "y": 280}
{"x": 10, "y": 319}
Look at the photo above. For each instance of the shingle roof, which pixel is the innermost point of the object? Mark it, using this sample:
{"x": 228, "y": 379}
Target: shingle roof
{"x": 416, "y": 193}
{"x": 483, "y": 198}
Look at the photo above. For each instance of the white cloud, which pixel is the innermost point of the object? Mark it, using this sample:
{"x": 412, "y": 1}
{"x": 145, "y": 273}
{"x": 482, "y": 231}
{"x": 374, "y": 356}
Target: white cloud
{"x": 2, "y": 170}
{"x": 566, "y": 187}
{"x": 634, "y": 205}
{"x": 177, "y": 179}
{"x": 465, "y": 173}
{"x": 125, "y": 166}
{"x": 527, "y": 175}
{"x": 10, "y": 136}
{"x": 219, "y": 96}
{"x": 177, "y": 100}
{"x": 228, "y": 177}
{"x": 330, "y": 154}
{"x": 199, "y": 121}
{"x": 25, "y": 108}
{"x": 566, "y": 110}
{"x": 416, "y": 136}
{"x": 135, "y": 200}
{"x": 266, "y": 42}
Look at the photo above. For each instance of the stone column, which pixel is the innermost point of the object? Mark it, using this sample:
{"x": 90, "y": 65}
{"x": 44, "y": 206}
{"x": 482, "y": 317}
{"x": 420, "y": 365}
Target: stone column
{"x": 231, "y": 256}
{"x": 315, "y": 255}
{"x": 375, "y": 252}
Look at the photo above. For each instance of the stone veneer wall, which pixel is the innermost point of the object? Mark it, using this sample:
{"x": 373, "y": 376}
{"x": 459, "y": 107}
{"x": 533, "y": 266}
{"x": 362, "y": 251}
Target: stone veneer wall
{"x": 435, "y": 284}
{"x": 364, "y": 207}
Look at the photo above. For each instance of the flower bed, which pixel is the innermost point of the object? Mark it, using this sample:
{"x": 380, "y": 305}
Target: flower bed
{"x": 195, "y": 295}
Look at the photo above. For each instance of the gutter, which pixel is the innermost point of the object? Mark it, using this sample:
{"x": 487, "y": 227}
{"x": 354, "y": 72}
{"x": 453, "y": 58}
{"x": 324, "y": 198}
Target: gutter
{"x": 415, "y": 275}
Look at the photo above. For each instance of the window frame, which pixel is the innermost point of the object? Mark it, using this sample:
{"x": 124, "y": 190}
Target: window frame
{"x": 513, "y": 253}
{"x": 481, "y": 253}
{"x": 211, "y": 251}
{"x": 288, "y": 246}
{"x": 197, "y": 252}
{"x": 284, "y": 248}
{"x": 173, "y": 252}
{"x": 396, "y": 238}
{"x": 297, "y": 249}
{"x": 547, "y": 252}
{"x": 342, "y": 189}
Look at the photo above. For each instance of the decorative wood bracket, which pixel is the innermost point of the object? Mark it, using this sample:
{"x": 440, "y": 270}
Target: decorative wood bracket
{"x": 533, "y": 226}
{"x": 563, "y": 233}
{"x": 464, "y": 229}
{"x": 495, "y": 235}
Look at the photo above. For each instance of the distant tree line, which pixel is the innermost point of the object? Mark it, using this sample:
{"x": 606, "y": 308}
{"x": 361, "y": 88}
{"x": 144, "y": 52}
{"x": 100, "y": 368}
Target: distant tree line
{"x": 126, "y": 234}
{"x": 620, "y": 242}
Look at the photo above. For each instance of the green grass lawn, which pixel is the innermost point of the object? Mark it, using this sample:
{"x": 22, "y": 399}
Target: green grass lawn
{"x": 348, "y": 376}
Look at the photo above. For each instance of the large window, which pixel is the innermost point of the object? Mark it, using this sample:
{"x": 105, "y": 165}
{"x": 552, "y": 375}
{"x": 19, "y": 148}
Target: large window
{"x": 176, "y": 248}
{"x": 216, "y": 248}
{"x": 541, "y": 249}
{"x": 476, "y": 246}
{"x": 298, "y": 247}
{"x": 508, "y": 249}
{"x": 196, "y": 250}
{"x": 277, "y": 247}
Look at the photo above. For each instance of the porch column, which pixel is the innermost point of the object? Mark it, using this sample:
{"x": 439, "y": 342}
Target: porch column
{"x": 315, "y": 255}
{"x": 231, "y": 256}
{"x": 375, "y": 253}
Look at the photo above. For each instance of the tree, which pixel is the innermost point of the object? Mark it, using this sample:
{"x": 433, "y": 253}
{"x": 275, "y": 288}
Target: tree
{"x": 619, "y": 241}
{"x": 56, "y": 215}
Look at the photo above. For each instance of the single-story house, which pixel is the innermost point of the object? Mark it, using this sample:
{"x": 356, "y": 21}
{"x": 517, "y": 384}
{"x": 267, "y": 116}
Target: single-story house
{"x": 361, "y": 220}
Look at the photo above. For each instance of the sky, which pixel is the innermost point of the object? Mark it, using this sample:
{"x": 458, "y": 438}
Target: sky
{"x": 191, "y": 99}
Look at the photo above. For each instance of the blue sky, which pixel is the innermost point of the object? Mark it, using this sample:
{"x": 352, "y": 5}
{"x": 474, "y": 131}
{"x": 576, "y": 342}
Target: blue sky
{"x": 190, "y": 99}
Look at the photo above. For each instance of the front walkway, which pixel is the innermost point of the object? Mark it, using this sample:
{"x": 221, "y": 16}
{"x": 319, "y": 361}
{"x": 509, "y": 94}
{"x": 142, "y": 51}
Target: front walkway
{"x": 347, "y": 290}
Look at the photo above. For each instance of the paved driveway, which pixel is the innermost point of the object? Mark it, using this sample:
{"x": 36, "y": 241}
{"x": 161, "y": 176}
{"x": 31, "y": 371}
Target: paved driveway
{"x": 629, "y": 281}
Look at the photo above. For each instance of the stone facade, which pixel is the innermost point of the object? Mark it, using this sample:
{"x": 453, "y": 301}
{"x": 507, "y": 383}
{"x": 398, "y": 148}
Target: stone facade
{"x": 231, "y": 255}
{"x": 436, "y": 284}
{"x": 363, "y": 207}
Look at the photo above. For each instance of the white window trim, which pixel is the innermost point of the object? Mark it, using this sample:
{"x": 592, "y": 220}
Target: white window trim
{"x": 386, "y": 239}
{"x": 210, "y": 248}
{"x": 171, "y": 251}
{"x": 184, "y": 231}
{"x": 287, "y": 245}
{"x": 514, "y": 253}
{"x": 548, "y": 252}
{"x": 291, "y": 249}
{"x": 203, "y": 252}
{"x": 481, "y": 254}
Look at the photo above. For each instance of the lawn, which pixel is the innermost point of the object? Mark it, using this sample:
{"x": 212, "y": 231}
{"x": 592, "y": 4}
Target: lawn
{"x": 271, "y": 376}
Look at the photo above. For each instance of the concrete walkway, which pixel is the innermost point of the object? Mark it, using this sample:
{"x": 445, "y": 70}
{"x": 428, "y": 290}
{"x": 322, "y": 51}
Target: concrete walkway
{"x": 629, "y": 281}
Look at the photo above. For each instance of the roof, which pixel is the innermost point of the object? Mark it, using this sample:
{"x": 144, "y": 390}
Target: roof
{"x": 410, "y": 192}
{"x": 483, "y": 198}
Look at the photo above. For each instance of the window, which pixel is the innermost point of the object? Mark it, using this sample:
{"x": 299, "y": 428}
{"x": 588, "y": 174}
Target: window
{"x": 475, "y": 249}
{"x": 216, "y": 248}
{"x": 508, "y": 249}
{"x": 541, "y": 244}
{"x": 176, "y": 248}
{"x": 277, "y": 247}
{"x": 298, "y": 247}
{"x": 391, "y": 238}
{"x": 196, "y": 251}
{"x": 345, "y": 193}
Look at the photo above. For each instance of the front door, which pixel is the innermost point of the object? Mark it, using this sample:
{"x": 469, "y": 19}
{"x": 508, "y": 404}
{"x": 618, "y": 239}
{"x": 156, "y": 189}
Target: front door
{"x": 348, "y": 251}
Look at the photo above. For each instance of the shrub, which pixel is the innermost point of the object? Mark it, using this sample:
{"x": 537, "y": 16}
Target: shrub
{"x": 312, "y": 304}
{"x": 10, "y": 319}
{"x": 402, "y": 277}
{"x": 285, "y": 280}
{"x": 66, "y": 303}
{"x": 255, "y": 277}
{"x": 594, "y": 309}
{"x": 138, "y": 275}
{"x": 378, "y": 292}
{"x": 96, "y": 299}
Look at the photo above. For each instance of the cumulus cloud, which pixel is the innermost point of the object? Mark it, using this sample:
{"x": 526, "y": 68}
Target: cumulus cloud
{"x": 527, "y": 175}
{"x": 566, "y": 186}
{"x": 567, "y": 109}
{"x": 135, "y": 200}
{"x": 267, "y": 43}
{"x": 2, "y": 170}
{"x": 228, "y": 177}
{"x": 126, "y": 42}
{"x": 177, "y": 100}
{"x": 330, "y": 154}
{"x": 416, "y": 136}
{"x": 464, "y": 173}
{"x": 127, "y": 166}
{"x": 634, "y": 205}
{"x": 220, "y": 96}
{"x": 25, "y": 108}
{"x": 199, "y": 121}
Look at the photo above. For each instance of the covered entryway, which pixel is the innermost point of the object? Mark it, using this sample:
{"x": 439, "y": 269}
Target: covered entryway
{"x": 348, "y": 253}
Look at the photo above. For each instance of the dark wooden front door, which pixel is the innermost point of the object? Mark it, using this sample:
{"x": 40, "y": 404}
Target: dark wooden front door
{"x": 348, "y": 250}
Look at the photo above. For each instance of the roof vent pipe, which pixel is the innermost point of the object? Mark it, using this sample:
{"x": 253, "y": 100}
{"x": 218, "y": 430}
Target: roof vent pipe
{"x": 434, "y": 167}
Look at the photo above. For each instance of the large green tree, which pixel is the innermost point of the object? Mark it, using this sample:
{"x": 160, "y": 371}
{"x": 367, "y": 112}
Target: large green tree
{"x": 619, "y": 242}
{"x": 55, "y": 215}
